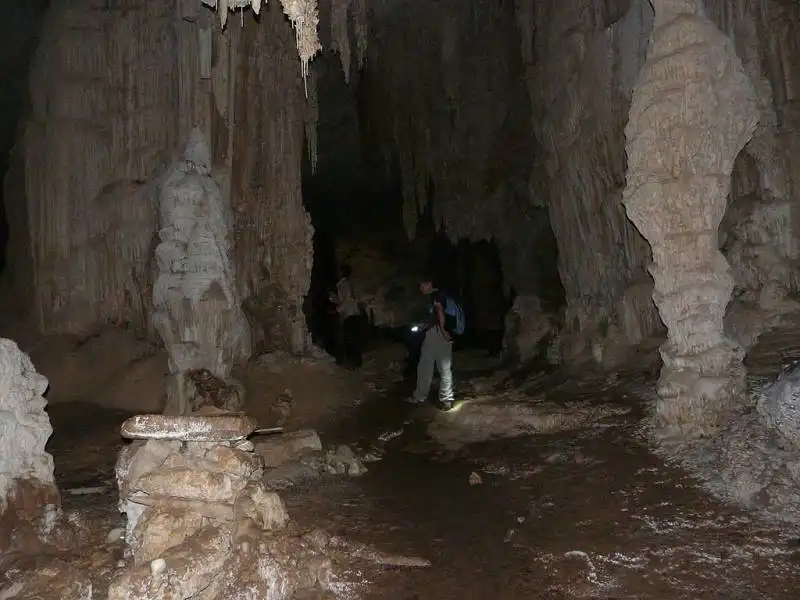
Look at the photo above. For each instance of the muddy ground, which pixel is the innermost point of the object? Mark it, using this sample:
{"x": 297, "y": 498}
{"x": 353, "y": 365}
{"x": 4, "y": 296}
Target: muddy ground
{"x": 587, "y": 512}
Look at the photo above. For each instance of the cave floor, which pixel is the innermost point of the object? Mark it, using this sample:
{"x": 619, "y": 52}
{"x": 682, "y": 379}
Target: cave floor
{"x": 588, "y": 512}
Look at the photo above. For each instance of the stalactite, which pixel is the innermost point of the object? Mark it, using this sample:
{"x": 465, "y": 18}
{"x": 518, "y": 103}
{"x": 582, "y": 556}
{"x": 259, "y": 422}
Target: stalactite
{"x": 693, "y": 110}
{"x": 312, "y": 119}
{"x": 340, "y": 35}
{"x": 302, "y": 13}
{"x": 458, "y": 125}
{"x": 361, "y": 22}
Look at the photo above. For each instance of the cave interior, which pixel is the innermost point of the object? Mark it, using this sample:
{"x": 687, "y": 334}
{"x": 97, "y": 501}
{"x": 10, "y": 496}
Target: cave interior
{"x": 606, "y": 187}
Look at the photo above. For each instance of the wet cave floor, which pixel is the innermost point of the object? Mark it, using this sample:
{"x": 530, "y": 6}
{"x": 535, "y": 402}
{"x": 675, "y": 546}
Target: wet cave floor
{"x": 587, "y": 513}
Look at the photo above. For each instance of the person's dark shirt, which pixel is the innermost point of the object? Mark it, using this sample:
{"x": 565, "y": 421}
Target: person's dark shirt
{"x": 438, "y": 297}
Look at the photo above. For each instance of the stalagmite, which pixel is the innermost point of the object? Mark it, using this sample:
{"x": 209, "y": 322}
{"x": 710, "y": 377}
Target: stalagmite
{"x": 29, "y": 501}
{"x": 693, "y": 110}
{"x": 197, "y": 310}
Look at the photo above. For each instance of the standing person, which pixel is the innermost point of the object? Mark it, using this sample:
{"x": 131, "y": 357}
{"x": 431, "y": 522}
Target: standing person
{"x": 446, "y": 321}
{"x": 348, "y": 335}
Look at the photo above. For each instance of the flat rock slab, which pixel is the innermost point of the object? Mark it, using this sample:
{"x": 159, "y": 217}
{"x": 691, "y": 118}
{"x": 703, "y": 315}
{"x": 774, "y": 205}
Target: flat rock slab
{"x": 279, "y": 449}
{"x": 205, "y": 428}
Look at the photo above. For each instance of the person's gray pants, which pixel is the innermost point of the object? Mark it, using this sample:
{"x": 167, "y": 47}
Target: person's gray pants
{"x": 436, "y": 350}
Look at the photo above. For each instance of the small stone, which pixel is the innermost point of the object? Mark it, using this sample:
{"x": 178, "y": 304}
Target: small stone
{"x": 264, "y": 508}
{"x": 158, "y": 566}
{"x": 244, "y": 445}
{"x": 355, "y": 468}
{"x": 475, "y": 479}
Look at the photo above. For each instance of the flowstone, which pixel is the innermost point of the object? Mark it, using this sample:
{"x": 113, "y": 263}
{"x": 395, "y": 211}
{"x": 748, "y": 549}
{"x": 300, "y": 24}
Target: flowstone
{"x": 693, "y": 110}
{"x": 197, "y": 309}
{"x": 29, "y": 500}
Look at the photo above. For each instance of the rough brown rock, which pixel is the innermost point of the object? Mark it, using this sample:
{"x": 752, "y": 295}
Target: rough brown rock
{"x": 279, "y": 449}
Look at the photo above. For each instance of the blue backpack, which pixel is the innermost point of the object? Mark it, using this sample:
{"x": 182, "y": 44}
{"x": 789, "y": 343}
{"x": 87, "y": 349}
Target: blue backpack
{"x": 453, "y": 309}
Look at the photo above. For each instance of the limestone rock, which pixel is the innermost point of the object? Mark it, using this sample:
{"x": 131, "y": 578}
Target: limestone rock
{"x": 343, "y": 461}
{"x": 197, "y": 308}
{"x": 265, "y": 509}
{"x": 159, "y": 530}
{"x": 213, "y": 391}
{"x": 197, "y": 517}
{"x": 679, "y": 168}
{"x": 279, "y": 449}
{"x": 29, "y": 501}
{"x": 189, "y": 484}
{"x": 188, "y": 569}
{"x": 779, "y": 405}
{"x": 527, "y": 326}
{"x": 59, "y": 579}
{"x": 207, "y": 428}
{"x": 753, "y": 462}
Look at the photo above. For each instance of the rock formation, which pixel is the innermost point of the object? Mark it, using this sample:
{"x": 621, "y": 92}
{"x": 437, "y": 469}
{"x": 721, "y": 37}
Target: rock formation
{"x": 757, "y": 235}
{"x": 689, "y": 119}
{"x": 753, "y": 462}
{"x": 198, "y": 513}
{"x": 117, "y": 124}
{"x": 484, "y": 150}
{"x": 30, "y": 504}
{"x": 527, "y": 329}
{"x": 581, "y": 73}
{"x": 197, "y": 310}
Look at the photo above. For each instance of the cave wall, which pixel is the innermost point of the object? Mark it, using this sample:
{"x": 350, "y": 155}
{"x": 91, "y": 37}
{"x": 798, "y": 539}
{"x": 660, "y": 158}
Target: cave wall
{"x": 521, "y": 133}
{"x": 116, "y": 89}
{"x": 497, "y": 151}
{"x": 581, "y": 69}
{"x": 758, "y": 235}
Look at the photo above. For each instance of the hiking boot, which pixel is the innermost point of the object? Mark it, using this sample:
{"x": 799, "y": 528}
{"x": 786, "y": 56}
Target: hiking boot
{"x": 447, "y": 406}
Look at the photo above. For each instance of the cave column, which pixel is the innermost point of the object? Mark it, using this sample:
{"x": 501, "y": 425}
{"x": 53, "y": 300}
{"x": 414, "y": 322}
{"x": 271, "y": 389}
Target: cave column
{"x": 693, "y": 110}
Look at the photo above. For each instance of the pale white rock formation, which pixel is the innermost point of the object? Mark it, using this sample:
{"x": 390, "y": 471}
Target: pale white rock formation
{"x": 197, "y": 310}
{"x": 198, "y": 513}
{"x": 29, "y": 500}
{"x": 689, "y": 119}
{"x": 755, "y": 462}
